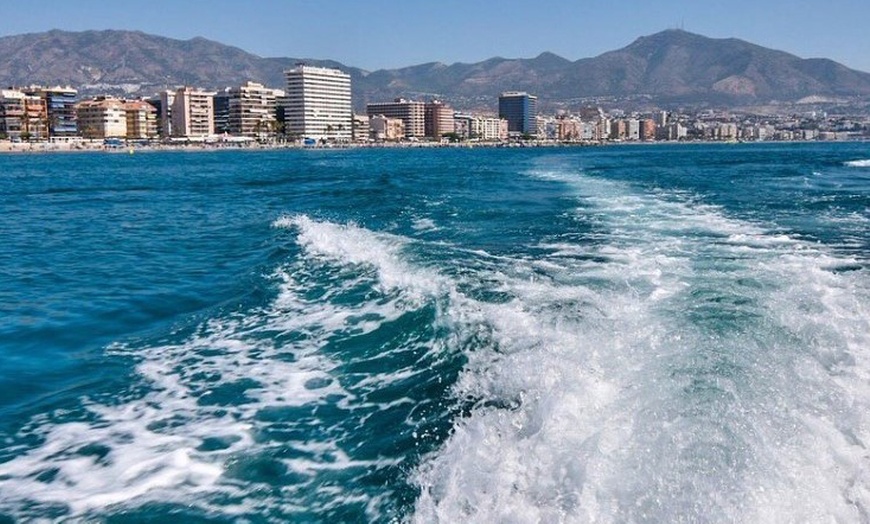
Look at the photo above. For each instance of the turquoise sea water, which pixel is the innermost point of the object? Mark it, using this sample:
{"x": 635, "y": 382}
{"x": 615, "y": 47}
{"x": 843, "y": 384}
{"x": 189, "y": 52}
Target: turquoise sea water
{"x": 647, "y": 334}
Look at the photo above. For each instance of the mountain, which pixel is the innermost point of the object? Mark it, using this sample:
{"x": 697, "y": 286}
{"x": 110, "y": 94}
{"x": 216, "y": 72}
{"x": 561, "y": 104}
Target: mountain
{"x": 668, "y": 67}
{"x": 135, "y": 62}
{"x": 681, "y": 65}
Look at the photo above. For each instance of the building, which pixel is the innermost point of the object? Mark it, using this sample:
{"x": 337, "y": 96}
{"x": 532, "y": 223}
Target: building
{"x": 221, "y": 109}
{"x": 11, "y": 113}
{"x": 438, "y": 120}
{"x": 360, "y": 127}
{"x": 569, "y": 129}
{"x": 192, "y": 113}
{"x": 618, "y": 130}
{"x": 250, "y": 110}
{"x": 413, "y": 114}
{"x": 34, "y": 122}
{"x": 648, "y": 129}
{"x": 520, "y": 109}
{"x": 60, "y": 106}
{"x": 489, "y": 128}
{"x": 673, "y": 131}
{"x": 632, "y": 129}
{"x": 480, "y": 127}
{"x": 162, "y": 102}
{"x": 102, "y": 117}
{"x": 141, "y": 120}
{"x": 385, "y": 129}
{"x": 318, "y": 104}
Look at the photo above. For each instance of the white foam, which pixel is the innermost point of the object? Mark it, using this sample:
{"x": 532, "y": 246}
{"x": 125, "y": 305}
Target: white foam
{"x": 351, "y": 244}
{"x": 858, "y": 163}
{"x": 630, "y": 405}
{"x": 424, "y": 225}
{"x": 149, "y": 447}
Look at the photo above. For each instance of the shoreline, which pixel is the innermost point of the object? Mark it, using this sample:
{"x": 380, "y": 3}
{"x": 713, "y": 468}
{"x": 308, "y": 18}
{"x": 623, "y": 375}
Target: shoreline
{"x": 30, "y": 148}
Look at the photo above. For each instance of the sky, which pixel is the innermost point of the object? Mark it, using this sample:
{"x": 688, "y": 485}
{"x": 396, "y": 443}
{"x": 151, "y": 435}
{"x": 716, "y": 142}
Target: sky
{"x": 375, "y": 34}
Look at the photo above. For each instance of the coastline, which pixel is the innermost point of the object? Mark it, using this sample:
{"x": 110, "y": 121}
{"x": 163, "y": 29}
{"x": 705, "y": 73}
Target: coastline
{"x": 29, "y": 148}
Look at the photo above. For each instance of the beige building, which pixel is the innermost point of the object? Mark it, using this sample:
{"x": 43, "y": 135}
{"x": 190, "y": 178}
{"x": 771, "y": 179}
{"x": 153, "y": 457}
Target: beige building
{"x": 22, "y": 116}
{"x": 251, "y": 110}
{"x": 413, "y": 114}
{"x": 570, "y": 129}
{"x": 11, "y": 113}
{"x": 361, "y": 128}
{"x": 438, "y": 119}
{"x": 385, "y": 129}
{"x": 489, "y": 128}
{"x": 141, "y": 119}
{"x": 192, "y": 113}
{"x": 102, "y": 117}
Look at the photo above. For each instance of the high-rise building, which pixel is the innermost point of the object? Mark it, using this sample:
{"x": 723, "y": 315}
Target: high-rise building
{"x": 318, "y": 103}
{"x": 221, "y": 105}
{"x": 438, "y": 120}
{"x": 647, "y": 129}
{"x": 60, "y": 105}
{"x": 632, "y": 129}
{"x": 413, "y": 114}
{"x": 193, "y": 113}
{"x": 520, "y": 109}
{"x": 251, "y": 110}
{"x": 162, "y": 102}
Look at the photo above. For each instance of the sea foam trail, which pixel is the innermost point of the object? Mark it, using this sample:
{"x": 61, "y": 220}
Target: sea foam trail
{"x": 692, "y": 367}
{"x": 858, "y": 163}
{"x": 208, "y": 412}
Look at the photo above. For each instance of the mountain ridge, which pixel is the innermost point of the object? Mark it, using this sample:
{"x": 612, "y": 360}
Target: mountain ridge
{"x": 671, "y": 66}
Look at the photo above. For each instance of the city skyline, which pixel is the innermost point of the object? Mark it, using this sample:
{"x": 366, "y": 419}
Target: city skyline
{"x": 390, "y": 34}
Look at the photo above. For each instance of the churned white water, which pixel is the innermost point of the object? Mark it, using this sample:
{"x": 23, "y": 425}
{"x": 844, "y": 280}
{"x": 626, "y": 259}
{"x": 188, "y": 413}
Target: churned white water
{"x": 692, "y": 368}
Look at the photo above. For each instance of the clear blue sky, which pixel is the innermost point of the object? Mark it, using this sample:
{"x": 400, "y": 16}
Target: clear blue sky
{"x": 375, "y": 34}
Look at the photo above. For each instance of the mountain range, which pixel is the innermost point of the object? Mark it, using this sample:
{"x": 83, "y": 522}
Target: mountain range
{"x": 669, "y": 67}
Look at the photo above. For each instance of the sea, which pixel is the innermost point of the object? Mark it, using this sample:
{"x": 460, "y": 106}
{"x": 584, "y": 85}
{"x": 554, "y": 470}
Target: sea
{"x": 649, "y": 333}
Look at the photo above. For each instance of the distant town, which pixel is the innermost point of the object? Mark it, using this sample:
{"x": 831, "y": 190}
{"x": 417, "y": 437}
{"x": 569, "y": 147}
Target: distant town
{"x": 315, "y": 109}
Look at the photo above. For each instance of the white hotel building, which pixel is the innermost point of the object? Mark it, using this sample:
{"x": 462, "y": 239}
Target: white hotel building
{"x": 318, "y": 103}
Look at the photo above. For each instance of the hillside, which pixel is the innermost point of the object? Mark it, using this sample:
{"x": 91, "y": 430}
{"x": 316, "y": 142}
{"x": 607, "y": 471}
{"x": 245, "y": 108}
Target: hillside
{"x": 668, "y": 67}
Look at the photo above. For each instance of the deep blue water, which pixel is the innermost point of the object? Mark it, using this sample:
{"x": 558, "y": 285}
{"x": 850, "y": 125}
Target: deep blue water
{"x": 647, "y": 334}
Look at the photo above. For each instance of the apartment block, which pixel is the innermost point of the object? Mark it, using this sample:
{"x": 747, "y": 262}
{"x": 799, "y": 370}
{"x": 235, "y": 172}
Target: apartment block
{"x": 192, "y": 113}
{"x": 162, "y": 102}
{"x": 251, "y": 110}
{"x": 413, "y": 114}
{"x": 438, "y": 120}
{"x": 60, "y": 106}
{"x": 11, "y": 113}
{"x": 317, "y": 104}
{"x": 632, "y": 129}
{"x": 490, "y": 128}
{"x": 384, "y": 129}
{"x": 648, "y": 129}
{"x": 141, "y": 120}
{"x": 361, "y": 129}
{"x": 102, "y": 117}
{"x": 618, "y": 130}
{"x": 570, "y": 129}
